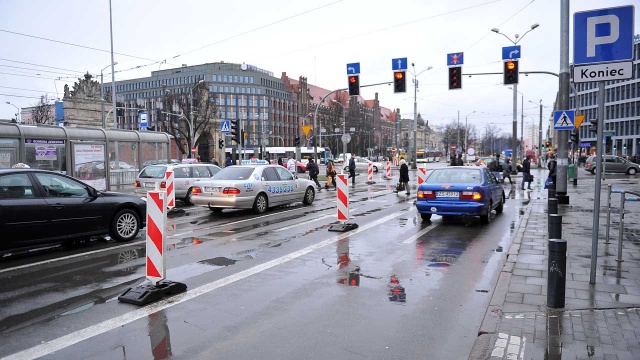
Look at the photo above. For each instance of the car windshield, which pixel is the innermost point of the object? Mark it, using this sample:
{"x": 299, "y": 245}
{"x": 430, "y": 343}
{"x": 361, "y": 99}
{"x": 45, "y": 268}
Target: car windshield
{"x": 455, "y": 176}
{"x": 153, "y": 172}
{"x": 234, "y": 173}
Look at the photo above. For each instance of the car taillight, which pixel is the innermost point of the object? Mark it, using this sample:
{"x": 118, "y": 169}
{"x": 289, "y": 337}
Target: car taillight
{"x": 137, "y": 184}
{"x": 231, "y": 191}
{"x": 163, "y": 185}
{"x": 470, "y": 195}
{"x": 588, "y": 164}
{"x": 196, "y": 190}
{"x": 426, "y": 194}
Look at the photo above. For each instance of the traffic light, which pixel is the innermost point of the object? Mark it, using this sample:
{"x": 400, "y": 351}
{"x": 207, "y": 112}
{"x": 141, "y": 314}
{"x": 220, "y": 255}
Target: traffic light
{"x": 244, "y": 136}
{"x": 574, "y": 137}
{"x": 547, "y": 145}
{"x": 312, "y": 141}
{"x": 624, "y": 147}
{"x": 594, "y": 125}
{"x": 510, "y": 72}
{"x": 221, "y": 144}
{"x": 399, "y": 82}
{"x": 235, "y": 132}
{"x": 354, "y": 85}
{"x": 297, "y": 141}
{"x": 455, "y": 78}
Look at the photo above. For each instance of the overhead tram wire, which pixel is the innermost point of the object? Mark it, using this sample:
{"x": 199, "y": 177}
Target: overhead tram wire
{"x": 36, "y": 70}
{"x": 44, "y": 66}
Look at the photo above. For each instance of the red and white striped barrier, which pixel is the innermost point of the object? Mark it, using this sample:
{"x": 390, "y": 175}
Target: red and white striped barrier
{"x": 343, "y": 197}
{"x": 156, "y": 228}
{"x": 171, "y": 194}
{"x": 370, "y": 174}
{"x": 387, "y": 169}
{"x": 396, "y": 162}
{"x": 422, "y": 175}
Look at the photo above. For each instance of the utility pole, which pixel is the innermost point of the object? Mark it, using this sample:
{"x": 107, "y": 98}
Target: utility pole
{"x": 563, "y": 135}
{"x": 540, "y": 137}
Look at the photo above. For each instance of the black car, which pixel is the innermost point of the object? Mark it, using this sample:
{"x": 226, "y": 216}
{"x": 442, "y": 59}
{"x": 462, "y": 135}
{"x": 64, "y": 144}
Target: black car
{"x": 43, "y": 207}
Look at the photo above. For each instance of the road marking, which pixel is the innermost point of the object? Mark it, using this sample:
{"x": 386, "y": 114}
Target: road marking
{"x": 306, "y": 222}
{"x": 71, "y": 256}
{"x": 107, "y": 325}
{"x": 420, "y": 233}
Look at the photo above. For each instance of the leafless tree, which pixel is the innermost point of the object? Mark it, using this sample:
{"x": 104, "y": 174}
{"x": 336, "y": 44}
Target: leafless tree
{"x": 202, "y": 107}
{"x": 42, "y": 111}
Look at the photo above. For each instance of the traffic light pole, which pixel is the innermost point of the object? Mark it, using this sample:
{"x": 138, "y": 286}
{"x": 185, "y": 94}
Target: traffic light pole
{"x": 564, "y": 104}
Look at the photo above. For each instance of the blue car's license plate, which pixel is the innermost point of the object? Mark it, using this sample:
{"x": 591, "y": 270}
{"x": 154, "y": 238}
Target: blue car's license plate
{"x": 447, "y": 194}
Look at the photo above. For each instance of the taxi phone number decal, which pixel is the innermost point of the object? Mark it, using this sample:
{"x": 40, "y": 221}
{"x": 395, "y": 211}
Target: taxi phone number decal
{"x": 280, "y": 189}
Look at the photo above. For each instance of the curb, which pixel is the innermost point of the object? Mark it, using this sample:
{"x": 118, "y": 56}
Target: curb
{"x": 489, "y": 325}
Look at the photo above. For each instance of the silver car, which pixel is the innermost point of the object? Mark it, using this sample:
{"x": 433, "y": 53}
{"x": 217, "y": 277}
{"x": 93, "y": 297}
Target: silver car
{"x": 184, "y": 176}
{"x": 613, "y": 163}
{"x": 256, "y": 187}
{"x": 363, "y": 164}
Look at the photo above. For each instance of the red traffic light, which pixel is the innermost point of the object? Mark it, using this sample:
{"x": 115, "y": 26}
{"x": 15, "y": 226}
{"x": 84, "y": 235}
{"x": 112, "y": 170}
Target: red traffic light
{"x": 352, "y": 79}
{"x": 399, "y": 75}
{"x": 511, "y": 65}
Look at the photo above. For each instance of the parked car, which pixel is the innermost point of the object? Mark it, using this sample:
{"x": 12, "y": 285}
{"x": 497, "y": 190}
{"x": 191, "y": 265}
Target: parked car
{"x": 40, "y": 207}
{"x": 256, "y": 187}
{"x": 363, "y": 164}
{"x": 184, "y": 175}
{"x": 300, "y": 166}
{"x": 460, "y": 191}
{"x": 614, "y": 164}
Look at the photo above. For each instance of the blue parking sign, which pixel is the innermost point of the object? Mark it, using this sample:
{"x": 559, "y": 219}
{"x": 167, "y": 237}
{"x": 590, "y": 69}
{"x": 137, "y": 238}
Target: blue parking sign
{"x": 603, "y": 35}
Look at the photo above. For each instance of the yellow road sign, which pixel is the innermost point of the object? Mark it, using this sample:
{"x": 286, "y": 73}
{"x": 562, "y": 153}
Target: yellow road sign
{"x": 305, "y": 129}
{"x": 578, "y": 120}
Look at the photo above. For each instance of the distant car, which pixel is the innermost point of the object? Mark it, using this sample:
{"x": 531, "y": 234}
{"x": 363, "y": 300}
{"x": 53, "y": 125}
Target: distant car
{"x": 460, "y": 191}
{"x": 300, "y": 167}
{"x": 614, "y": 164}
{"x": 39, "y": 207}
{"x": 363, "y": 164}
{"x": 159, "y": 162}
{"x": 184, "y": 176}
{"x": 256, "y": 187}
{"x": 122, "y": 165}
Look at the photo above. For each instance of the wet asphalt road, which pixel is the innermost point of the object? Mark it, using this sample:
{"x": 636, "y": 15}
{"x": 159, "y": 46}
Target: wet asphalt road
{"x": 272, "y": 286}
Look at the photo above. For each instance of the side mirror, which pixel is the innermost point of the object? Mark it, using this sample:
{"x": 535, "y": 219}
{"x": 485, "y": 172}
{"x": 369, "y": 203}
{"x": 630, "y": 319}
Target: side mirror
{"x": 92, "y": 192}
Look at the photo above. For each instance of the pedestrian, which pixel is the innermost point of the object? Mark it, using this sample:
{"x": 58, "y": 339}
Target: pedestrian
{"x": 291, "y": 165}
{"x": 280, "y": 161}
{"x": 331, "y": 175}
{"x": 215, "y": 162}
{"x": 454, "y": 161}
{"x": 313, "y": 172}
{"x": 552, "y": 166}
{"x": 404, "y": 175}
{"x": 352, "y": 170}
{"x": 228, "y": 161}
{"x": 506, "y": 173}
{"x": 460, "y": 162}
{"x": 526, "y": 172}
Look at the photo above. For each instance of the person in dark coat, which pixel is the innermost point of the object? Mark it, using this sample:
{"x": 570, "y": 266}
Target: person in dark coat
{"x": 280, "y": 161}
{"x": 526, "y": 172}
{"x": 352, "y": 170}
{"x": 454, "y": 160}
{"x": 552, "y": 166}
{"x": 313, "y": 172}
{"x": 404, "y": 175}
{"x": 228, "y": 161}
{"x": 506, "y": 172}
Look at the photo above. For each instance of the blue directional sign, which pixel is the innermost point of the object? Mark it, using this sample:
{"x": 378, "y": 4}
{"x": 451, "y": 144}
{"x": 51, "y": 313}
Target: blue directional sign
{"x": 143, "y": 120}
{"x": 225, "y": 126}
{"x": 564, "y": 119}
{"x": 511, "y": 52}
{"x": 353, "y": 68}
{"x": 603, "y": 35}
{"x": 455, "y": 59}
{"x": 399, "y": 64}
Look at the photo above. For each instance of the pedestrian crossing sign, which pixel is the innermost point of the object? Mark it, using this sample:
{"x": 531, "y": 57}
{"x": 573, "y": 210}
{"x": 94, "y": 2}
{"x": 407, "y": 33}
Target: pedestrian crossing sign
{"x": 564, "y": 119}
{"x": 225, "y": 126}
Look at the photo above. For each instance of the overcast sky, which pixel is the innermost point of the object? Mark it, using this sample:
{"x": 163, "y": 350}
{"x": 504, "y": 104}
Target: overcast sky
{"x": 315, "y": 39}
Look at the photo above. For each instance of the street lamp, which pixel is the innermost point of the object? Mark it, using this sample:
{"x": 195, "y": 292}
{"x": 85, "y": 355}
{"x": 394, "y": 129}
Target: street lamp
{"x": 18, "y": 114}
{"x": 413, "y": 154}
{"x": 515, "y": 86}
{"x": 344, "y": 129}
{"x": 190, "y": 120}
{"x": 104, "y": 120}
{"x": 521, "y": 154}
{"x": 466, "y": 136}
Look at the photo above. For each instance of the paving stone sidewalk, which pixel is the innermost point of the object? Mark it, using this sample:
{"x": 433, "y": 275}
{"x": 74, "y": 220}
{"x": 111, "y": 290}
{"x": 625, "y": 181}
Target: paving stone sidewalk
{"x": 600, "y": 321}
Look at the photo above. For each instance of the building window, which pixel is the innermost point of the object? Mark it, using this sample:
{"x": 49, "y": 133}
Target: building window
{"x": 235, "y": 78}
{"x": 225, "y": 78}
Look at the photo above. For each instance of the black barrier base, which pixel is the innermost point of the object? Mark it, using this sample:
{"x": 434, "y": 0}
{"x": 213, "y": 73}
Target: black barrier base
{"x": 147, "y": 293}
{"x": 343, "y": 227}
{"x": 562, "y": 199}
{"x": 371, "y": 182}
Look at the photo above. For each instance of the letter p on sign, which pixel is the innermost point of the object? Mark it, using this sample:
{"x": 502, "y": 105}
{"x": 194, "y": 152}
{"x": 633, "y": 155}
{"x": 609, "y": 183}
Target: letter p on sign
{"x": 595, "y": 30}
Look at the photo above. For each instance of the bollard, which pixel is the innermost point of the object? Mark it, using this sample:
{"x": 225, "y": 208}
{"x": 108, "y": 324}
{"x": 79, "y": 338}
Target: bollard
{"x": 555, "y": 226}
{"x": 552, "y": 206}
{"x": 557, "y": 267}
{"x": 621, "y": 230}
{"x": 606, "y": 239}
{"x": 551, "y": 191}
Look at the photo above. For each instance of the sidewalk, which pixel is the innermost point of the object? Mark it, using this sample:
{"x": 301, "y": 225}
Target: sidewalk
{"x": 600, "y": 321}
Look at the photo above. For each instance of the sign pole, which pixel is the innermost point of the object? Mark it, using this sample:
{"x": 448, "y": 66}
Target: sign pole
{"x": 596, "y": 198}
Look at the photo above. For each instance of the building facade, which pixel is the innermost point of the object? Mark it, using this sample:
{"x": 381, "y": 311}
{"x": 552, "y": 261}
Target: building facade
{"x": 621, "y": 113}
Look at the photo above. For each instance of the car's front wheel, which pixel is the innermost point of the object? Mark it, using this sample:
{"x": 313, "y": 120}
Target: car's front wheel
{"x": 125, "y": 225}
{"x": 309, "y": 196}
{"x": 632, "y": 171}
{"x": 260, "y": 204}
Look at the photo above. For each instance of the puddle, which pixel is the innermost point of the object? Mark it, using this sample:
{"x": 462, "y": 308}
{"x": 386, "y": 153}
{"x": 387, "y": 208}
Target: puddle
{"x": 218, "y": 261}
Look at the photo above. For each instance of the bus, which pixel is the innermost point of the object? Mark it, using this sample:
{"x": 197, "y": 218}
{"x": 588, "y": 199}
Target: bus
{"x": 275, "y": 152}
{"x": 425, "y": 156}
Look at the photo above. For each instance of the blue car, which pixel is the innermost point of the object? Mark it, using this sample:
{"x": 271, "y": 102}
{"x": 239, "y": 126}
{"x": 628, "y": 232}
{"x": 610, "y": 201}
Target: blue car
{"x": 460, "y": 191}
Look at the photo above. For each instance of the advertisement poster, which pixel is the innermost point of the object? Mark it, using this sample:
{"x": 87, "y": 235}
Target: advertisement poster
{"x": 46, "y": 152}
{"x": 89, "y": 164}
{"x": 5, "y": 160}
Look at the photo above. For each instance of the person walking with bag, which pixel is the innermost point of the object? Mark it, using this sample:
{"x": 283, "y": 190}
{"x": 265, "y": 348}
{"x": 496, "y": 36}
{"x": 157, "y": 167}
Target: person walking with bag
{"x": 526, "y": 173}
{"x": 552, "y": 166}
{"x": 404, "y": 175}
{"x": 506, "y": 173}
{"x": 331, "y": 176}
{"x": 313, "y": 172}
